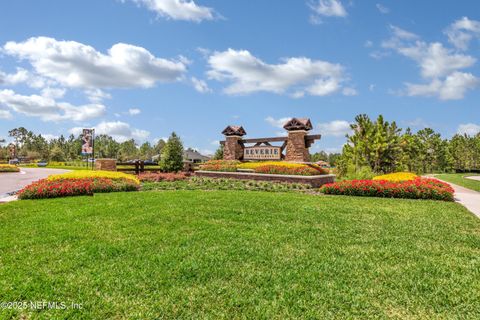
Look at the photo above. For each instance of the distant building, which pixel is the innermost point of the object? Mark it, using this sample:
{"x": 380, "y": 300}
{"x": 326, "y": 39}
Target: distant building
{"x": 194, "y": 156}
{"x": 189, "y": 155}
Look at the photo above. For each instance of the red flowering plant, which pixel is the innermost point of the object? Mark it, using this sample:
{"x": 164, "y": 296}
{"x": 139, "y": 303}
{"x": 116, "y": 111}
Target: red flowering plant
{"x": 220, "y": 165}
{"x": 419, "y": 188}
{"x": 74, "y": 187}
{"x": 162, "y": 176}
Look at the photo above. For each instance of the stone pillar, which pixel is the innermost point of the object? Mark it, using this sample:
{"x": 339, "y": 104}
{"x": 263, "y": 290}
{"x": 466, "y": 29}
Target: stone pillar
{"x": 106, "y": 164}
{"x": 296, "y": 148}
{"x": 232, "y": 149}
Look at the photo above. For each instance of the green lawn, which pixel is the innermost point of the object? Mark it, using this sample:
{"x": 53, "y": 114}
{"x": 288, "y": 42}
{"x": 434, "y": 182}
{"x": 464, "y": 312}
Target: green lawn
{"x": 459, "y": 179}
{"x": 230, "y": 255}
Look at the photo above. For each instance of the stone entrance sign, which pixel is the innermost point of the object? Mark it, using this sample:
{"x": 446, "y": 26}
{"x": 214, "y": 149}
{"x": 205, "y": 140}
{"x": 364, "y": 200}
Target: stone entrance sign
{"x": 296, "y": 143}
{"x": 262, "y": 153}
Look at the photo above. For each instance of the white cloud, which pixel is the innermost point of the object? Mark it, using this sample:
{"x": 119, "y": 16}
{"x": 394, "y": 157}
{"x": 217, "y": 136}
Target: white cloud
{"x": 74, "y": 64}
{"x": 297, "y": 76}
{"x": 5, "y": 114}
{"x": 435, "y": 60}
{"x": 49, "y": 137}
{"x": 200, "y": 85}
{"x": 470, "y": 129}
{"x": 462, "y": 31}
{"x": 372, "y": 87}
{"x": 179, "y": 9}
{"x": 53, "y": 93}
{"x": 382, "y": 8}
{"x": 278, "y": 123}
{"x": 453, "y": 87}
{"x": 336, "y": 128}
{"x": 97, "y": 95}
{"x": 439, "y": 66}
{"x": 14, "y": 78}
{"x": 328, "y": 8}
{"x": 134, "y": 111}
{"x": 47, "y": 108}
{"x": 120, "y": 131}
{"x": 349, "y": 91}
{"x": 368, "y": 44}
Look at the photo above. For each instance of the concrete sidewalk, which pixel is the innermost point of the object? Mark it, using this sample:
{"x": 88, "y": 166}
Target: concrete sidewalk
{"x": 14, "y": 181}
{"x": 468, "y": 198}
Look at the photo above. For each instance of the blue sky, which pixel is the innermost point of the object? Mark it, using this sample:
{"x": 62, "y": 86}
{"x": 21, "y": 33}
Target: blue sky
{"x": 145, "y": 68}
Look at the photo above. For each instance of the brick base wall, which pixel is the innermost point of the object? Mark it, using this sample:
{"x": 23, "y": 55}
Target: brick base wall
{"x": 314, "y": 181}
{"x": 106, "y": 164}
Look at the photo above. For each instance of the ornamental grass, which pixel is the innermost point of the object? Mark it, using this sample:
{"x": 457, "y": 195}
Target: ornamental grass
{"x": 81, "y": 174}
{"x": 419, "y": 188}
{"x": 398, "y": 176}
{"x": 9, "y": 168}
{"x": 67, "y": 187}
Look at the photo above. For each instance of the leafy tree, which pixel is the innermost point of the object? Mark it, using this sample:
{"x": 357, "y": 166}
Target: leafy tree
{"x": 172, "y": 154}
{"x": 146, "y": 151}
{"x": 159, "y": 146}
{"x": 218, "y": 153}
{"x": 56, "y": 154}
{"x": 128, "y": 150}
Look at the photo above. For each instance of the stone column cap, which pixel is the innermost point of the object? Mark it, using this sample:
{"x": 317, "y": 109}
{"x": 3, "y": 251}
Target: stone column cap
{"x": 298, "y": 124}
{"x": 234, "y": 131}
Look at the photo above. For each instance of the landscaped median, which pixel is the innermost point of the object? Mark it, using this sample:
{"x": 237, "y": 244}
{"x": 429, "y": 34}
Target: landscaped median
{"x": 79, "y": 183}
{"x": 9, "y": 168}
{"x": 275, "y": 171}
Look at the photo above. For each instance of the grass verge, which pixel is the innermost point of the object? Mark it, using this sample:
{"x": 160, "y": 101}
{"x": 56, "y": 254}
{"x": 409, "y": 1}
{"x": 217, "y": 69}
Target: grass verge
{"x": 459, "y": 179}
{"x": 239, "y": 254}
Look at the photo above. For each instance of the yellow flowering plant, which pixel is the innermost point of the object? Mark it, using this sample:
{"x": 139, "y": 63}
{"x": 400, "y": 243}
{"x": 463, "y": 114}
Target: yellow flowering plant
{"x": 8, "y": 168}
{"x": 80, "y": 174}
{"x": 398, "y": 176}
{"x": 254, "y": 165}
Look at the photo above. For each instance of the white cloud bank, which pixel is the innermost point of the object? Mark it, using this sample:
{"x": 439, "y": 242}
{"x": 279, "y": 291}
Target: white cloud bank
{"x": 470, "y": 129}
{"x": 73, "y": 64}
{"x": 462, "y": 31}
{"x": 186, "y": 10}
{"x": 440, "y": 67}
{"x": 328, "y": 8}
{"x": 297, "y": 76}
{"x": 47, "y": 108}
{"x": 336, "y": 128}
{"x": 120, "y": 131}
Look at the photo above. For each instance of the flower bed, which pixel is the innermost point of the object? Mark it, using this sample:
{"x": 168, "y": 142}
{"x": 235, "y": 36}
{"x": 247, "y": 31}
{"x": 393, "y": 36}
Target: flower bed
{"x": 398, "y": 176}
{"x": 265, "y": 167}
{"x": 53, "y": 188}
{"x": 159, "y": 176}
{"x": 9, "y": 168}
{"x": 220, "y": 165}
{"x": 303, "y": 170}
{"x": 419, "y": 188}
{"x": 80, "y": 174}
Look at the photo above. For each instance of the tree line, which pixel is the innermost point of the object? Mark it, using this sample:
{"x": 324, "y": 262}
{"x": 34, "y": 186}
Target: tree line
{"x": 382, "y": 147}
{"x": 36, "y": 147}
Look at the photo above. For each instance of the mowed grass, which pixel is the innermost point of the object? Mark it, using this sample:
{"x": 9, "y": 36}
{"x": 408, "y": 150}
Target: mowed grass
{"x": 459, "y": 179}
{"x": 239, "y": 255}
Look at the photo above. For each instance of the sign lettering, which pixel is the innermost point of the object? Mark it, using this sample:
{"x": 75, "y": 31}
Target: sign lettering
{"x": 262, "y": 153}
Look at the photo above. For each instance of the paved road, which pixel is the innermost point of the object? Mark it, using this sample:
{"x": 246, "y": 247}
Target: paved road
{"x": 10, "y": 182}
